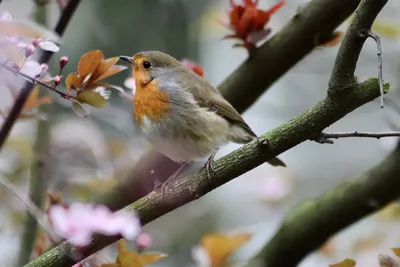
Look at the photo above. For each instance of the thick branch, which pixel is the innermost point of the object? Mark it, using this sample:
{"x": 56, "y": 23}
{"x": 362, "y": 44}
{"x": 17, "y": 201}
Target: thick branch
{"x": 352, "y": 43}
{"x": 317, "y": 19}
{"x": 178, "y": 193}
{"x": 318, "y": 219}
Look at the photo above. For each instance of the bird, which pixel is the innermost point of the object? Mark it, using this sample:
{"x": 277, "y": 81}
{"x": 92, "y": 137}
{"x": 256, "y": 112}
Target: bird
{"x": 181, "y": 114}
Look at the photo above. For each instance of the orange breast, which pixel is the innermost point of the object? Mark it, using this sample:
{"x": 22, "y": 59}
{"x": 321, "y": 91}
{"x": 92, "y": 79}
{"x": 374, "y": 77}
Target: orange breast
{"x": 151, "y": 102}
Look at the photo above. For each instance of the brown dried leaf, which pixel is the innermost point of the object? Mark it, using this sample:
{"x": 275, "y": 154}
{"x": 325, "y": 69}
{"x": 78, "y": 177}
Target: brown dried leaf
{"x": 127, "y": 258}
{"x": 102, "y": 68}
{"x": 220, "y": 247}
{"x": 73, "y": 81}
{"x": 396, "y": 251}
{"x": 91, "y": 98}
{"x": 345, "y": 263}
{"x": 89, "y": 62}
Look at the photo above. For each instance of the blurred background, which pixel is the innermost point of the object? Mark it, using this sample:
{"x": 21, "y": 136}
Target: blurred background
{"x": 85, "y": 157}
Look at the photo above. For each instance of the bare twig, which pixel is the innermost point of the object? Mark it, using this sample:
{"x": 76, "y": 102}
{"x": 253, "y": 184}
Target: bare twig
{"x": 34, "y": 81}
{"x": 323, "y": 138}
{"x": 374, "y": 36}
{"x": 29, "y": 206}
{"x": 26, "y": 90}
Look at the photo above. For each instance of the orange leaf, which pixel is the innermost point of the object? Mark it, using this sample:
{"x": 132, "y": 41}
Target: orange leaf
{"x": 74, "y": 81}
{"x": 127, "y": 258}
{"x": 220, "y": 247}
{"x": 33, "y": 101}
{"x": 89, "y": 62}
{"x": 334, "y": 40}
{"x": 396, "y": 251}
{"x": 345, "y": 263}
{"x": 102, "y": 68}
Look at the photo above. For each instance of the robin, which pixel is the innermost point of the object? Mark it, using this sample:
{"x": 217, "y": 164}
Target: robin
{"x": 181, "y": 114}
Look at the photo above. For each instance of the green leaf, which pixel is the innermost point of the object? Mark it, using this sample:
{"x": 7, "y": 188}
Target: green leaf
{"x": 91, "y": 98}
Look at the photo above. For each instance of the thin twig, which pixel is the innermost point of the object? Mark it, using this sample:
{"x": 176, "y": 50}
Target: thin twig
{"x": 29, "y": 206}
{"x": 324, "y": 137}
{"x": 27, "y": 88}
{"x": 379, "y": 54}
{"x": 34, "y": 81}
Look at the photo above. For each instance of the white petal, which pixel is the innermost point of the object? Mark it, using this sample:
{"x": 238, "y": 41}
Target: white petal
{"x": 201, "y": 257}
{"x": 5, "y": 16}
{"x": 31, "y": 68}
{"x": 79, "y": 109}
{"x": 49, "y": 46}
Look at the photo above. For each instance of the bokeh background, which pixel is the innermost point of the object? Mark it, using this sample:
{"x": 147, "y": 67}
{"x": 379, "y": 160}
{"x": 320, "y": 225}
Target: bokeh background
{"x": 86, "y": 157}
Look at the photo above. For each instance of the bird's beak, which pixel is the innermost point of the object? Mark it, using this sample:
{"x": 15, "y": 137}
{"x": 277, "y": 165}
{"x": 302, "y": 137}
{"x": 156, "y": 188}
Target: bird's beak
{"x": 127, "y": 59}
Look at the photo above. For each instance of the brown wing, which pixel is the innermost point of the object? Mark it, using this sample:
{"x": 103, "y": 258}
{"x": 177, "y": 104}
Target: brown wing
{"x": 208, "y": 96}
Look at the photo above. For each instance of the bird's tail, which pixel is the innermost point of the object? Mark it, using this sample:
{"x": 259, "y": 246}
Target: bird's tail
{"x": 276, "y": 162}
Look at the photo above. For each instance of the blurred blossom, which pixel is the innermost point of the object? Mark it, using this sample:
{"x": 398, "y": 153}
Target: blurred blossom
{"x": 130, "y": 84}
{"x": 143, "y": 241}
{"x": 79, "y": 221}
{"x": 103, "y": 92}
{"x": 31, "y": 68}
{"x": 273, "y": 188}
{"x": 201, "y": 257}
{"x": 196, "y": 68}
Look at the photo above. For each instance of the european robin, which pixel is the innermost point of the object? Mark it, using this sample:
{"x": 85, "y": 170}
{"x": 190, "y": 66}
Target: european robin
{"x": 181, "y": 114}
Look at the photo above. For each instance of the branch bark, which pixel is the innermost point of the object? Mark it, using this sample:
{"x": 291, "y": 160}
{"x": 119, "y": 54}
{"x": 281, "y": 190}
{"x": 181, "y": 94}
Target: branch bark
{"x": 315, "y": 20}
{"x": 178, "y": 193}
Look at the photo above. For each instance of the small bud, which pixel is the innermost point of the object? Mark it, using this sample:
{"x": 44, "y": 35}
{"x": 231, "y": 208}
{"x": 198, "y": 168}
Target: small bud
{"x": 36, "y": 42}
{"x": 57, "y": 80}
{"x": 143, "y": 241}
{"x": 29, "y": 50}
{"x": 63, "y": 61}
{"x": 45, "y": 67}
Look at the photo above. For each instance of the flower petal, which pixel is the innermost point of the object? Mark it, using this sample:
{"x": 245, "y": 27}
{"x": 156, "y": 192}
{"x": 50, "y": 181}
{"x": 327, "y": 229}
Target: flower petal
{"x": 49, "y": 46}
{"x": 31, "y": 68}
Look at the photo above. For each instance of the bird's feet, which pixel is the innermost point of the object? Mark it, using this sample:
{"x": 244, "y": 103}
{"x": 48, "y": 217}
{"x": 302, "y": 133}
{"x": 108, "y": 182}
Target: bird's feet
{"x": 158, "y": 184}
{"x": 209, "y": 165}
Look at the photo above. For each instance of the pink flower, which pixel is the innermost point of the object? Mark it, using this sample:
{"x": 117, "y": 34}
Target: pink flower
{"x": 143, "y": 241}
{"x": 273, "y": 188}
{"x": 79, "y": 221}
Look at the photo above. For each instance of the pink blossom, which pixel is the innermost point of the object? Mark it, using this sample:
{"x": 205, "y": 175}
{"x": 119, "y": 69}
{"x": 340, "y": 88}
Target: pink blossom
{"x": 273, "y": 188}
{"x": 79, "y": 221}
{"x": 130, "y": 84}
{"x": 143, "y": 241}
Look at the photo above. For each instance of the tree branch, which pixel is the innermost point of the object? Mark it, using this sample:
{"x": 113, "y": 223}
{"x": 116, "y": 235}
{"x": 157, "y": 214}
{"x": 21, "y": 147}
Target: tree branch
{"x": 26, "y": 90}
{"x": 318, "y": 18}
{"x": 318, "y": 219}
{"x": 178, "y": 193}
{"x": 351, "y": 46}
{"x": 324, "y": 137}
{"x": 339, "y": 207}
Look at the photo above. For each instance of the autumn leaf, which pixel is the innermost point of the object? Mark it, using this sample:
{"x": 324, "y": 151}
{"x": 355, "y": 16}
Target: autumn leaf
{"x": 219, "y": 246}
{"x": 345, "y": 263}
{"x": 89, "y": 62}
{"x": 396, "y": 251}
{"x": 127, "y": 258}
{"x": 91, "y": 98}
{"x": 332, "y": 41}
{"x": 74, "y": 81}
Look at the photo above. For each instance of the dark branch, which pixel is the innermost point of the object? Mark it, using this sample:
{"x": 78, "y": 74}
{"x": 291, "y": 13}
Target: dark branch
{"x": 351, "y": 46}
{"x": 323, "y": 138}
{"x": 180, "y": 192}
{"x": 26, "y": 90}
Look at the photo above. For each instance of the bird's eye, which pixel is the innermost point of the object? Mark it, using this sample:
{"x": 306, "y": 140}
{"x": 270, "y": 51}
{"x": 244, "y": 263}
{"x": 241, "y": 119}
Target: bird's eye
{"x": 146, "y": 65}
